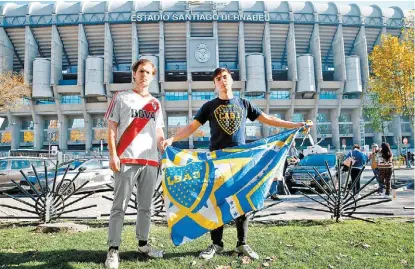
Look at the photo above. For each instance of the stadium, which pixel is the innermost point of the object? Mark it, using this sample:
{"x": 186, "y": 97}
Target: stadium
{"x": 297, "y": 61}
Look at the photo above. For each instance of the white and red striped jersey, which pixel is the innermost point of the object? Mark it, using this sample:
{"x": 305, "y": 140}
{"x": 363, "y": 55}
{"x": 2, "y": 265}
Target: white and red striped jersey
{"x": 138, "y": 119}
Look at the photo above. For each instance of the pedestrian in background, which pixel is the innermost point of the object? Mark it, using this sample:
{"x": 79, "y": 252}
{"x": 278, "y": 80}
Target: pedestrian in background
{"x": 374, "y": 165}
{"x": 385, "y": 165}
{"x": 360, "y": 161}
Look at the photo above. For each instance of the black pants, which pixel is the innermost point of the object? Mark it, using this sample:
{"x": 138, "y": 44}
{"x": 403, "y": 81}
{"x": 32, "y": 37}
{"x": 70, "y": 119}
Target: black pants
{"x": 354, "y": 173}
{"x": 241, "y": 230}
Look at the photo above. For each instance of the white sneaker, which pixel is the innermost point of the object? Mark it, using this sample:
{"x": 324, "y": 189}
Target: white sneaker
{"x": 113, "y": 259}
{"x": 150, "y": 251}
{"x": 208, "y": 253}
{"x": 247, "y": 251}
{"x": 385, "y": 196}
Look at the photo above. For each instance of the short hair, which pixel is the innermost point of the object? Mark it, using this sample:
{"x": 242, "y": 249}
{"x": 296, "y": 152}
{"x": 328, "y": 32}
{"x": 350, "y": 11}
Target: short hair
{"x": 220, "y": 70}
{"x": 142, "y": 62}
{"x": 356, "y": 146}
{"x": 374, "y": 145}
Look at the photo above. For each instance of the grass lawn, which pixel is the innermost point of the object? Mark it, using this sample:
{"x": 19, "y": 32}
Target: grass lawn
{"x": 295, "y": 244}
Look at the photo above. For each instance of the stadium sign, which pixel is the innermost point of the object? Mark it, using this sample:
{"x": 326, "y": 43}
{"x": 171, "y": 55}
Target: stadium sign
{"x": 202, "y": 16}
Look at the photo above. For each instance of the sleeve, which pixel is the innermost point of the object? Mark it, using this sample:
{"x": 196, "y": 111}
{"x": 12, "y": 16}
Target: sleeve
{"x": 253, "y": 112}
{"x": 159, "y": 118}
{"x": 113, "y": 111}
{"x": 203, "y": 114}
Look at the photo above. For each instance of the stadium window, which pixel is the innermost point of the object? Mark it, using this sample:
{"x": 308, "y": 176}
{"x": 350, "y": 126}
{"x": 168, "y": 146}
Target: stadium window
{"x": 71, "y": 99}
{"x": 328, "y": 95}
{"x": 280, "y": 95}
{"x": 176, "y": 96}
{"x": 254, "y": 96}
{"x": 203, "y": 95}
{"x": 46, "y": 101}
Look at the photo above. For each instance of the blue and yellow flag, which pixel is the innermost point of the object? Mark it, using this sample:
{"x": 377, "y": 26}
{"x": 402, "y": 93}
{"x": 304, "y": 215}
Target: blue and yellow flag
{"x": 203, "y": 191}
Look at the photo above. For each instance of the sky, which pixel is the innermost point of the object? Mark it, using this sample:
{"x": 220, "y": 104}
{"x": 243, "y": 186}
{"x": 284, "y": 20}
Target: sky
{"x": 405, "y": 5}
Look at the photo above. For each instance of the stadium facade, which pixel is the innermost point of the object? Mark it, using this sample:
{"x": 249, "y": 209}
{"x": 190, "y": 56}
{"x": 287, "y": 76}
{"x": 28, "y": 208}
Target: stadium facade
{"x": 297, "y": 61}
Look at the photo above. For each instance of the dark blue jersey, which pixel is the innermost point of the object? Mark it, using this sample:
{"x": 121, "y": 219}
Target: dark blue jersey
{"x": 227, "y": 120}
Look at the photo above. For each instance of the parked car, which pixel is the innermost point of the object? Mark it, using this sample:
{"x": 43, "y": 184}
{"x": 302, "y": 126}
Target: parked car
{"x": 10, "y": 169}
{"x": 295, "y": 176}
{"x": 96, "y": 170}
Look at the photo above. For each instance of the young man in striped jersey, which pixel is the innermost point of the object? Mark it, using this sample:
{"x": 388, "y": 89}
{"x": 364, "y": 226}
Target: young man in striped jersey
{"x": 135, "y": 130}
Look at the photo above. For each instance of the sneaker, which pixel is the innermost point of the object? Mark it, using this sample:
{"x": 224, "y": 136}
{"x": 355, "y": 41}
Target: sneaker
{"x": 149, "y": 251}
{"x": 275, "y": 197}
{"x": 208, "y": 253}
{"x": 113, "y": 259}
{"x": 247, "y": 251}
{"x": 385, "y": 196}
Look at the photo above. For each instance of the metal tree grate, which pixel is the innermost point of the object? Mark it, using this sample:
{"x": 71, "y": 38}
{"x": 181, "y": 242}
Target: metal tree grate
{"x": 47, "y": 204}
{"x": 340, "y": 200}
{"x": 260, "y": 218}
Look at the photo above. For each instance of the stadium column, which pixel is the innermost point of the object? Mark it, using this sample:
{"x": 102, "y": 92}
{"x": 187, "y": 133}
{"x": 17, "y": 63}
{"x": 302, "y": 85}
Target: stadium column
{"x": 108, "y": 55}
{"x": 216, "y": 36}
{"x": 63, "y": 132}
{"x": 56, "y": 75}
{"x": 339, "y": 60}
{"x": 31, "y": 52}
{"x": 37, "y": 128}
{"x": 135, "y": 45}
{"x": 162, "y": 73}
{"x": 6, "y": 52}
{"x": 313, "y": 117}
{"x": 292, "y": 65}
{"x": 334, "y": 118}
{"x": 336, "y": 113}
{"x": 360, "y": 49}
{"x": 83, "y": 50}
{"x": 15, "y": 124}
{"x": 356, "y": 115}
{"x": 315, "y": 50}
{"x": 241, "y": 53}
{"x": 268, "y": 68}
{"x": 189, "y": 76}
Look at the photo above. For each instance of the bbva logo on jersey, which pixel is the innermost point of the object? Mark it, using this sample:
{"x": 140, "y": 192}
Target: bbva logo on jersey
{"x": 140, "y": 113}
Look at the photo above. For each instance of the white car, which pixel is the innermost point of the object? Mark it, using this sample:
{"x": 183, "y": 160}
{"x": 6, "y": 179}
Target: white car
{"x": 95, "y": 170}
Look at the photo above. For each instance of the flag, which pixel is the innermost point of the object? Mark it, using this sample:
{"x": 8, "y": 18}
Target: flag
{"x": 205, "y": 190}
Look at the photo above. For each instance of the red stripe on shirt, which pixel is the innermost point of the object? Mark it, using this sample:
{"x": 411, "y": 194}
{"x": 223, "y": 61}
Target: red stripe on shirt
{"x": 135, "y": 127}
{"x": 139, "y": 161}
{"x": 111, "y": 106}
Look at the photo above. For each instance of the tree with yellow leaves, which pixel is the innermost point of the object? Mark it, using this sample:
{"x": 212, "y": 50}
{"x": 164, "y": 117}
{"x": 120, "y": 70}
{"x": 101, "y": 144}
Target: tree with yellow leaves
{"x": 12, "y": 90}
{"x": 391, "y": 85}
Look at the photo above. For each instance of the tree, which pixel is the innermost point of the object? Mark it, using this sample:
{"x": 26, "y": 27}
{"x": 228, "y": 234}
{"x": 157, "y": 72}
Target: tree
{"x": 378, "y": 113}
{"x": 391, "y": 84}
{"x": 12, "y": 90}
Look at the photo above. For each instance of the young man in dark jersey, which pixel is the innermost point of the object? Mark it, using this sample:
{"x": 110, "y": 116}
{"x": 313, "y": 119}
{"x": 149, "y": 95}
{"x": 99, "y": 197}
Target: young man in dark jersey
{"x": 227, "y": 116}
